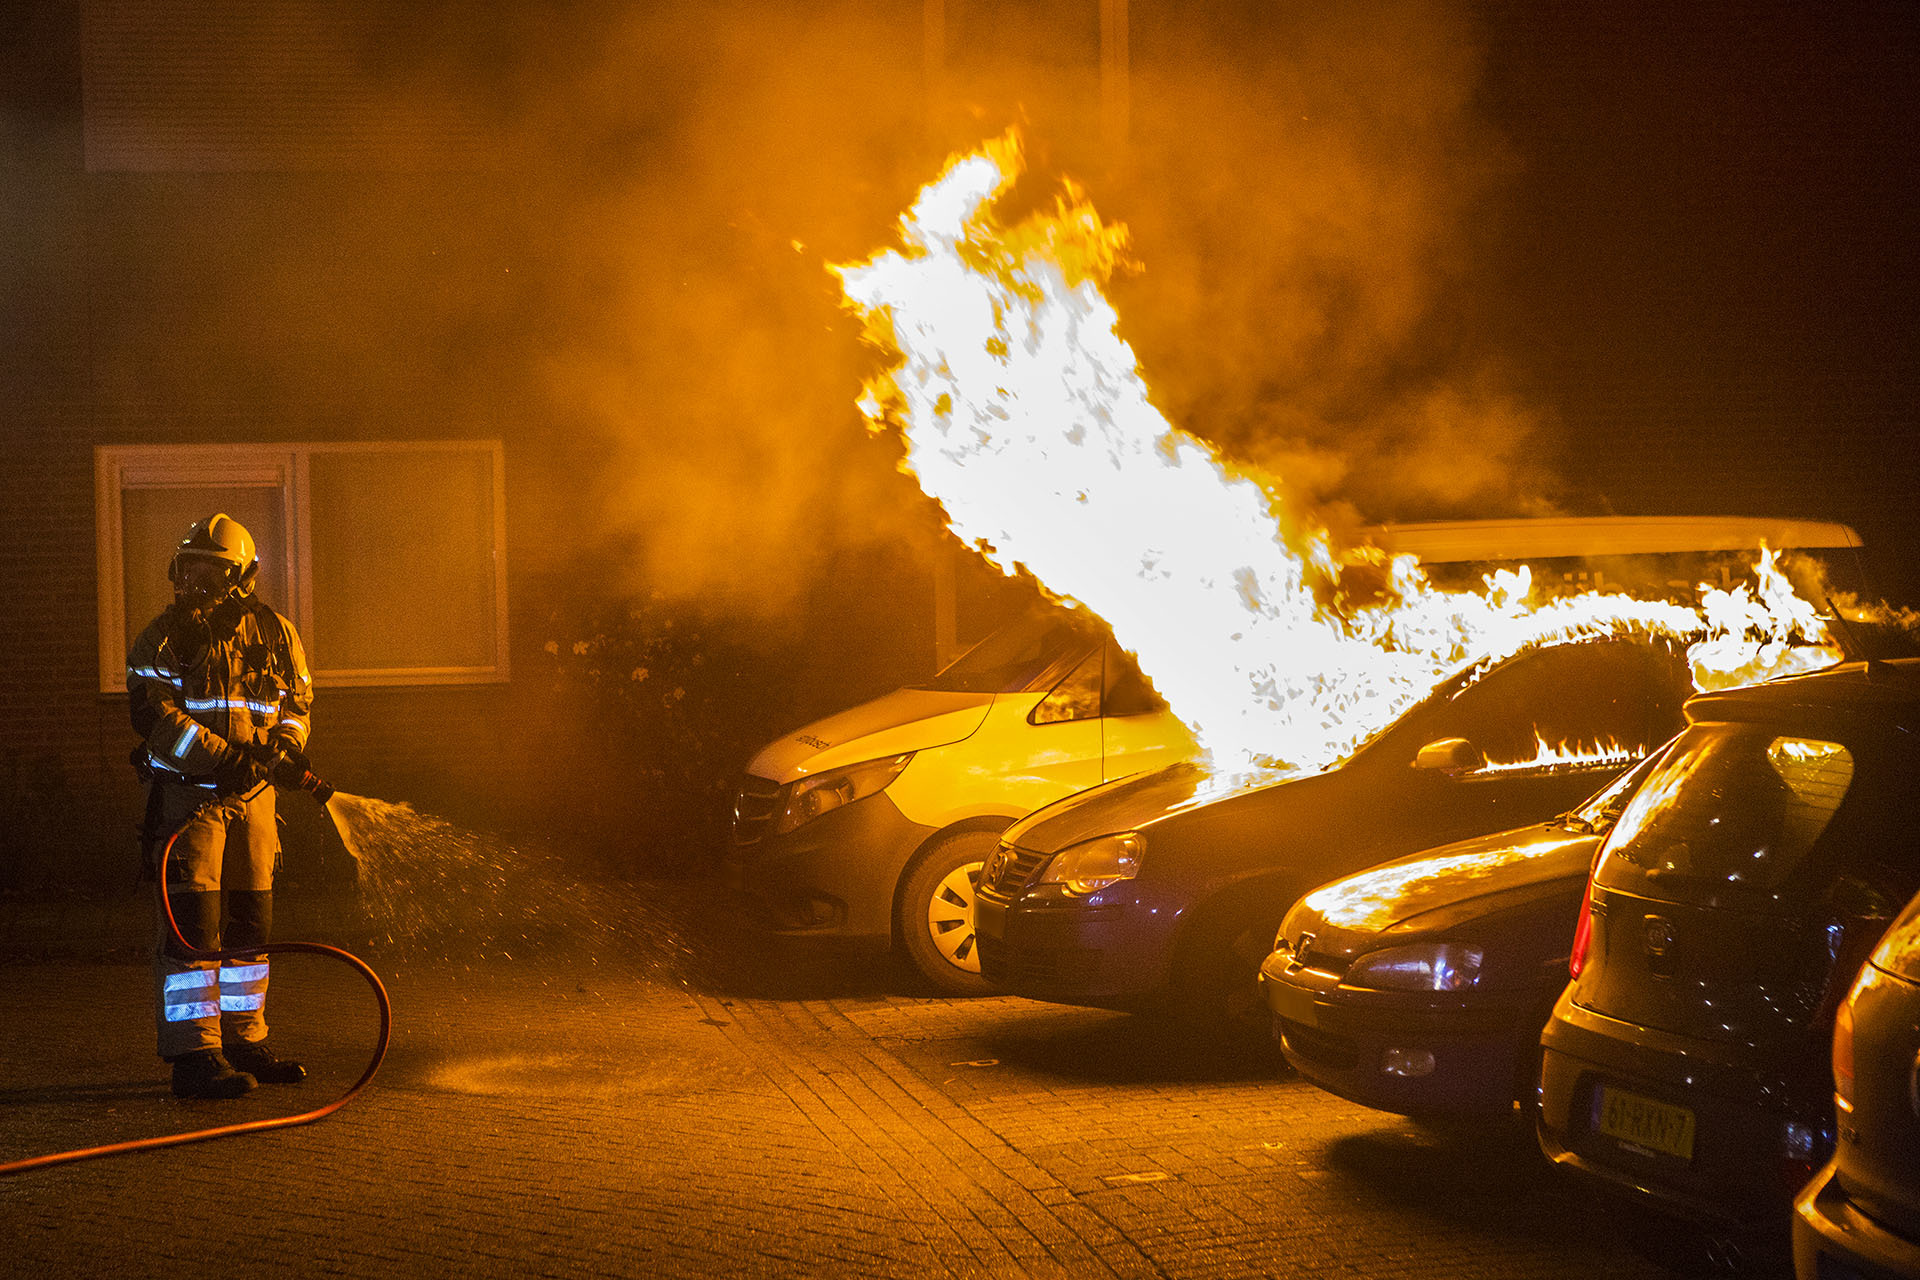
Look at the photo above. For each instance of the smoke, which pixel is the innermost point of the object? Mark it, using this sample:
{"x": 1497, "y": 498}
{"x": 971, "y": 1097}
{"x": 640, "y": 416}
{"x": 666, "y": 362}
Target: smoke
{"x": 614, "y": 251}
{"x": 1307, "y": 198}
{"x": 1302, "y": 186}
{"x": 700, "y": 342}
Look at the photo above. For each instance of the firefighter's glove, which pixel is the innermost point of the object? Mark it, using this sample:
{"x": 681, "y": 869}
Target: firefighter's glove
{"x": 291, "y": 769}
{"x": 238, "y": 772}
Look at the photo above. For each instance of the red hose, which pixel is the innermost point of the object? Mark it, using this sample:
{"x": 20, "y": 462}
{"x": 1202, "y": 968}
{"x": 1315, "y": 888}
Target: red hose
{"x": 248, "y": 1126}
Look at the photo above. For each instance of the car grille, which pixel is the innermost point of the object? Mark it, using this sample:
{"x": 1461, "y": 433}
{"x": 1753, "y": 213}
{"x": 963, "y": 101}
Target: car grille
{"x": 754, "y": 804}
{"x": 1334, "y": 1052}
{"x": 1011, "y": 870}
{"x": 1038, "y": 968}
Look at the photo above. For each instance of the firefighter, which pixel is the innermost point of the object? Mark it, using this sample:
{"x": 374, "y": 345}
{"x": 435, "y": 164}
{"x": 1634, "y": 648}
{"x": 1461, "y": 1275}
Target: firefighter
{"x": 219, "y": 691}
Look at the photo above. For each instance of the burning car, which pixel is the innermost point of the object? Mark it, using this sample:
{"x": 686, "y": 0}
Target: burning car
{"x": 874, "y": 824}
{"x": 1163, "y": 891}
{"x": 1420, "y": 986}
{"x": 1022, "y": 410}
{"x": 1686, "y": 1066}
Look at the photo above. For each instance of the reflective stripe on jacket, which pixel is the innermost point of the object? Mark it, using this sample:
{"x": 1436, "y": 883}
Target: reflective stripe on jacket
{"x": 198, "y": 688}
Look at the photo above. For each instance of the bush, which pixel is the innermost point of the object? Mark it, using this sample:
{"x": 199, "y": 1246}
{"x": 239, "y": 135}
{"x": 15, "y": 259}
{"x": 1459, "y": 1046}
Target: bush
{"x": 667, "y": 710}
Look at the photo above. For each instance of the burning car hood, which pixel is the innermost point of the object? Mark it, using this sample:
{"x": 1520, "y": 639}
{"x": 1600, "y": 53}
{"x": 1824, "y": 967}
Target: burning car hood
{"x": 1438, "y": 888}
{"x": 1131, "y": 803}
{"x": 901, "y": 721}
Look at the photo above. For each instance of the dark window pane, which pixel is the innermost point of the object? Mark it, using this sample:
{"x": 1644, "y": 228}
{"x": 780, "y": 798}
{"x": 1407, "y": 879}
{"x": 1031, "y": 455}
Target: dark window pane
{"x": 403, "y": 573}
{"x": 1075, "y": 698}
{"x": 1587, "y": 696}
{"x": 1128, "y": 692}
{"x": 1013, "y": 657}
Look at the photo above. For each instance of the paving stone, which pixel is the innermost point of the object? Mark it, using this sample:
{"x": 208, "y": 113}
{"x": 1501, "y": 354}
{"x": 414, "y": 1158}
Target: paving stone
{"x": 553, "y": 1116}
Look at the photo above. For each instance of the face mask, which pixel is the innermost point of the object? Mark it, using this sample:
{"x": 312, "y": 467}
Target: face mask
{"x": 199, "y": 584}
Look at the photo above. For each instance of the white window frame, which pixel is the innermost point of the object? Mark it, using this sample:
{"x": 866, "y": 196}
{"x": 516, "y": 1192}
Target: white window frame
{"x": 287, "y": 467}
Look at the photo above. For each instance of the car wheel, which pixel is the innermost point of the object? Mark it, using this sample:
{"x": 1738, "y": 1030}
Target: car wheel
{"x": 933, "y": 915}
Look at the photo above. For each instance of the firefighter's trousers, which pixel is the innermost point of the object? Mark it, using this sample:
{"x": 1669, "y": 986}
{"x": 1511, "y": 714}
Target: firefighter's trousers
{"x": 220, "y": 882}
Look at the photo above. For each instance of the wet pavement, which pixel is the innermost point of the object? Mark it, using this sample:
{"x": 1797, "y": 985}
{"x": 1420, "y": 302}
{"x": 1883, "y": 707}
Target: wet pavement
{"x": 690, "y": 1102}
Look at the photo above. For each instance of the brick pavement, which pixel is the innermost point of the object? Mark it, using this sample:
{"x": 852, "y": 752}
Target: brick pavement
{"x": 566, "y": 1115}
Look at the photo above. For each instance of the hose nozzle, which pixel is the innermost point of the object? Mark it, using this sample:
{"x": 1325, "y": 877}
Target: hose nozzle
{"x": 294, "y": 776}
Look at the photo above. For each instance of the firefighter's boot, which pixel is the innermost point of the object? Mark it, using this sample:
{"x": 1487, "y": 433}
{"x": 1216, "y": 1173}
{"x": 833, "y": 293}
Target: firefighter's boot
{"x": 204, "y": 1073}
{"x": 263, "y": 1064}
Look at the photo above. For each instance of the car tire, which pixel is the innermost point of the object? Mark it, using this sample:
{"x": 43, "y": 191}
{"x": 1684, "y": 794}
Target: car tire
{"x": 933, "y": 912}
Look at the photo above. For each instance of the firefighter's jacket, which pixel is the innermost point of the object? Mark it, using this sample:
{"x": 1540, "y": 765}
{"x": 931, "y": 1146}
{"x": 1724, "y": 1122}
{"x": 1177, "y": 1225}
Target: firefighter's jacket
{"x": 200, "y": 688}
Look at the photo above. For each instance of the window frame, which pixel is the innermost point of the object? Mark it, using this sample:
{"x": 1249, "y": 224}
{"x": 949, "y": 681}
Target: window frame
{"x": 287, "y": 467}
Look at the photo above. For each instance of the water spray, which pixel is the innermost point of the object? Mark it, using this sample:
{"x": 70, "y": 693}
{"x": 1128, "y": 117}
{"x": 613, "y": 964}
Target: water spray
{"x": 291, "y": 775}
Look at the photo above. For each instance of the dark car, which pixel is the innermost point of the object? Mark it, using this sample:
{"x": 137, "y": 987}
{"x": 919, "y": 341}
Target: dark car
{"x": 1420, "y": 986}
{"x": 1860, "y": 1216}
{"x": 1686, "y": 1064}
{"x": 1163, "y": 891}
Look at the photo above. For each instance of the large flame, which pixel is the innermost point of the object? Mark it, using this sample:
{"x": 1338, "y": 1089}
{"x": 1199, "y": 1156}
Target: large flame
{"x": 1025, "y": 415}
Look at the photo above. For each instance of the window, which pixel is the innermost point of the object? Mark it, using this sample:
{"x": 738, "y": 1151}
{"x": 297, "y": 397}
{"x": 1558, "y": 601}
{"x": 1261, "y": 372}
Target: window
{"x": 1730, "y": 812}
{"x": 352, "y": 538}
{"x": 1016, "y": 657}
{"x": 1596, "y": 697}
{"x": 1075, "y": 698}
{"x": 1128, "y": 691}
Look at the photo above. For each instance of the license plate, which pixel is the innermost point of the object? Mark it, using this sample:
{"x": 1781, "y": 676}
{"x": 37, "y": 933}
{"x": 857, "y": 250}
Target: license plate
{"x": 1291, "y": 1002}
{"x": 1644, "y": 1125}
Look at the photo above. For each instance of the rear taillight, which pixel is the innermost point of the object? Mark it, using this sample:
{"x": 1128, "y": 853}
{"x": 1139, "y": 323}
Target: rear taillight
{"x": 1803, "y": 1149}
{"x": 1582, "y": 932}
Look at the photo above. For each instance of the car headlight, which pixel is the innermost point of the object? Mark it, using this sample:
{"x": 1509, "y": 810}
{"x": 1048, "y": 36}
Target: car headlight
{"x": 1425, "y": 966}
{"x": 811, "y": 797}
{"x": 1084, "y": 868}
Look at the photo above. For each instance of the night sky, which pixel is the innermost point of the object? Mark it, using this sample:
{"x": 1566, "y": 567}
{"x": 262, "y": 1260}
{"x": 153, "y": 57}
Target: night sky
{"x": 1706, "y": 251}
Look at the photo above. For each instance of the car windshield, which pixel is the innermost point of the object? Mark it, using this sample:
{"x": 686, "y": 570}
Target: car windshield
{"x": 1729, "y": 811}
{"x": 1010, "y": 659}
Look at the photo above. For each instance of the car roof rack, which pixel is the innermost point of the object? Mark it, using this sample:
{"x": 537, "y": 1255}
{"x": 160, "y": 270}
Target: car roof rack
{"x": 1557, "y": 537}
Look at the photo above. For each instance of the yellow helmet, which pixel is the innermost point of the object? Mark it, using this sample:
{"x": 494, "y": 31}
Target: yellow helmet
{"x": 223, "y": 539}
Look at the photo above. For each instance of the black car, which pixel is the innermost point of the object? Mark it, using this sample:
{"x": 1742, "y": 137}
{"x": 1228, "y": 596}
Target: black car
{"x": 1686, "y": 1064}
{"x": 1163, "y": 891}
{"x": 1860, "y": 1216}
{"x": 1420, "y": 986}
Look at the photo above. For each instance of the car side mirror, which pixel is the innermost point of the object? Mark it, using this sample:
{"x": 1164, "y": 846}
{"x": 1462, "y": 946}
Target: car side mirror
{"x": 1450, "y": 755}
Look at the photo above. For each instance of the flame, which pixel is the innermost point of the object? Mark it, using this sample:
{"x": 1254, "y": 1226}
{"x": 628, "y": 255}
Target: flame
{"x": 1024, "y": 413}
{"x": 1758, "y": 632}
{"x": 1549, "y": 755}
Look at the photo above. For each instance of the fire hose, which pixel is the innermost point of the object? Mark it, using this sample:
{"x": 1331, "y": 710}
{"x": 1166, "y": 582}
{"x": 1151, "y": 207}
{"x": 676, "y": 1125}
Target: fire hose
{"x": 288, "y": 774}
